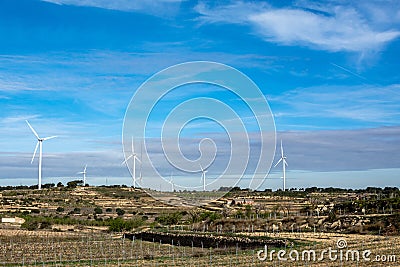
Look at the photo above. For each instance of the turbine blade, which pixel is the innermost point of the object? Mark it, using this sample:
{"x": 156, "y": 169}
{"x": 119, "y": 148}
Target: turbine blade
{"x": 285, "y": 163}
{"x": 278, "y": 162}
{"x": 33, "y": 130}
{"x": 133, "y": 149}
{"x": 281, "y": 148}
{"x": 85, "y": 168}
{"x": 34, "y": 153}
{"x": 51, "y": 137}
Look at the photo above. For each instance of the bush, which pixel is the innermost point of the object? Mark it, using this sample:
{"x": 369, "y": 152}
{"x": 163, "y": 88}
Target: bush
{"x": 169, "y": 219}
{"x": 120, "y": 212}
{"x": 30, "y": 225}
{"x": 76, "y": 211}
{"x": 120, "y": 225}
{"x": 98, "y": 210}
{"x": 75, "y": 183}
{"x": 60, "y": 209}
{"x": 45, "y": 225}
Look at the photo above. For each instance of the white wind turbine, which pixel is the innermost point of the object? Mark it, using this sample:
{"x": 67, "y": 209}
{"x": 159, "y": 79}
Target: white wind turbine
{"x": 40, "y": 145}
{"x": 84, "y": 175}
{"x": 134, "y": 158}
{"x": 203, "y": 177}
{"x": 284, "y": 164}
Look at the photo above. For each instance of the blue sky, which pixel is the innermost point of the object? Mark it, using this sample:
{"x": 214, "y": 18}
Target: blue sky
{"x": 329, "y": 71}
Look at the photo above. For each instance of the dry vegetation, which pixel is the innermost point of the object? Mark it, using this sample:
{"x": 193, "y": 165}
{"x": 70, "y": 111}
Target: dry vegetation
{"x": 83, "y": 226}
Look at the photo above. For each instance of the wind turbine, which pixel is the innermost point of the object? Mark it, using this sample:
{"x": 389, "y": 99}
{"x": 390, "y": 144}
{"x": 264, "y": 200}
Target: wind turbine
{"x": 203, "y": 177}
{"x": 135, "y": 158}
{"x": 84, "y": 175}
{"x": 40, "y": 145}
{"x": 284, "y": 164}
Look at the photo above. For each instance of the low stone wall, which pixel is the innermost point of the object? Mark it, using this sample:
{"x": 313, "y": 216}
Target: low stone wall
{"x": 206, "y": 241}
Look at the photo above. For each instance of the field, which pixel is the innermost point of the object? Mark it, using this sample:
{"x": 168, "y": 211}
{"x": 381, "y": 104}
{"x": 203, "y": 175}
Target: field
{"x": 86, "y": 226}
{"x": 27, "y": 248}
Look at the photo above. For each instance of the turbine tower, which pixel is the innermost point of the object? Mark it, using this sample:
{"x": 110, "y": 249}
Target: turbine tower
{"x": 203, "y": 177}
{"x": 84, "y": 175}
{"x": 134, "y": 158}
{"x": 284, "y": 164}
{"x": 40, "y": 145}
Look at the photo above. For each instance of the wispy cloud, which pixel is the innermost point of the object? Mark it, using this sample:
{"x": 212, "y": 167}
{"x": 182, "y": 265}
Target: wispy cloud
{"x": 373, "y": 104}
{"x": 160, "y": 7}
{"x": 342, "y": 28}
{"x": 342, "y": 150}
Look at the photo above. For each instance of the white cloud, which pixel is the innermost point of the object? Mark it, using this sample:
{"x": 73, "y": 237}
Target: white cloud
{"x": 344, "y": 28}
{"x": 342, "y": 150}
{"x": 160, "y": 7}
{"x": 374, "y": 104}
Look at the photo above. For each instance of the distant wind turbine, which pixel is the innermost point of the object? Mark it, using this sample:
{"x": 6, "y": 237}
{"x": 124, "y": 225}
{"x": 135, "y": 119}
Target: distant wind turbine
{"x": 134, "y": 158}
{"x": 284, "y": 164}
{"x": 203, "y": 177}
{"x": 40, "y": 145}
{"x": 84, "y": 175}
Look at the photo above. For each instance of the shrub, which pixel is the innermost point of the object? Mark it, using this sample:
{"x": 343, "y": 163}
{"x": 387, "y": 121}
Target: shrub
{"x": 75, "y": 183}
{"x": 98, "y": 210}
{"x": 45, "y": 225}
{"x": 169, "y": 219}
{"x": 76, "y": 210}
{"x": 120, "y": 225}
{"x": 30, "y": 225}
{"x": 60, "y": 209}
{"x": 120, "y": 212}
